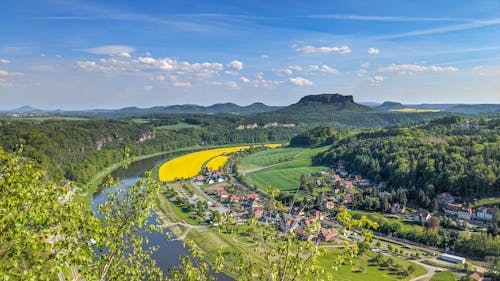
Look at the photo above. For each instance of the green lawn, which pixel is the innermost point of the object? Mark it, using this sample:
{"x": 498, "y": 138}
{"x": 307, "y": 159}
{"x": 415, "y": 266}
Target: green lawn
{"x": 180, "y": 125}
{"x": 363, "y": 269}
{"x": 281, "y": 167}
{"x": 486, "y": 201}
{"x": 444, "y": 276}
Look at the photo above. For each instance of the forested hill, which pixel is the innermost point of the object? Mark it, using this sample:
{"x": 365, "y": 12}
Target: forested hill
{"x": 449, "y": 154}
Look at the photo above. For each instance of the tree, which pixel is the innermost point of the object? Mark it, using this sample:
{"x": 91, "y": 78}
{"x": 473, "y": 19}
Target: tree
{"x": 36, "y": 227}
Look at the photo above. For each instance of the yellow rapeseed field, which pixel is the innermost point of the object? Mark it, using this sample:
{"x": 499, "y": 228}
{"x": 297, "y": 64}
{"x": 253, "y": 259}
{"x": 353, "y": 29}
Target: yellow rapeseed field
{"x": 217, "y": 162}
{"x": 189, "y": 165}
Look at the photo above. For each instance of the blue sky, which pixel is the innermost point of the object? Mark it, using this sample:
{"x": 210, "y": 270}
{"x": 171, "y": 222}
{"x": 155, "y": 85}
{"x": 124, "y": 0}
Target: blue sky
{"x": 112, "y": 54}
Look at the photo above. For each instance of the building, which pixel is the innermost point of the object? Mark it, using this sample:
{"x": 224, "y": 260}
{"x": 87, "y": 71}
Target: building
{"x": 458, "y": 210}
{"x": 329, "y": 205}
{"x": 328, "y": 235}
{"x": 252, "y": 197}
{"x": 234, "y": 199}
{"x": 397, "y": 209}
{"x": 485, "y": 213}
{"x": 445, "y": 198}
{"x": 421, "y": 216}
{"x": 453, "y": 259}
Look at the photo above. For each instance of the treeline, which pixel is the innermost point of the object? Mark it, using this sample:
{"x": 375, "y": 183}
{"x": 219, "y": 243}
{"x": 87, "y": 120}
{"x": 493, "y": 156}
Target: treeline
{"x": 450, "y": 154}
{"x": 318, "y": 136}
{"x": 76, "y": 150}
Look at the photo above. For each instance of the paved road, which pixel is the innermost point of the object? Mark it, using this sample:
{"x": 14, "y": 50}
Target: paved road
{"x": 431, "y": 270}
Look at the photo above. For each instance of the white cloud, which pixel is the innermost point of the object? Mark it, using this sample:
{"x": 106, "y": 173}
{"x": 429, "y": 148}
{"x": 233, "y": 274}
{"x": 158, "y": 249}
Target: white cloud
{"x": 362, "y": 72}
{"x": 59, "y": 56}
{"x": 145, "y": 60}
{"x": 365, "y": 65}
{"x": 235, "y": 64}
{"x": 112, "y": 50}
{"x": 158, "y": 78}
{"x": 6, "y": 73}
{"x": 373, "y": 51}
{"x": 410, "y": 68}
{"x": 376, "y": 80}
{"x": 264, "y": 56}
{"x": 324, "y": 50}
{"x": 300, "y": 81}
{"x": 4, "y": 61}
{"x": 244, "y": 79}
{"x": 381, "y": 18}
{"x": 182, "y": 84}
{"x": 231, "y": 72}
{"x": 229, "y": 84}
{"x": 148, "y": 88}
{"x": 325, "y": 68}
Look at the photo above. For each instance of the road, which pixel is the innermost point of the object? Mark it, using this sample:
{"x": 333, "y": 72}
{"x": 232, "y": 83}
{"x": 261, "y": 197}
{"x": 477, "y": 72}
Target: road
{"x": 431, "y": 270}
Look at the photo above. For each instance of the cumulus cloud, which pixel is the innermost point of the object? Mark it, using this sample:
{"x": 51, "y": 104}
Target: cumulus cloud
{"x": 235, "y": 64}
{"x": 4, "y": 61}
{"x": 324, "y": 50}
{"x": 300, "y": 81}
{"x": 373, "y": 51}
{"x": 179, "y": 84}
{"x": 244, "y": 79}
{"x": 411, "y": 68}
{"x": 6, "y": 73}
{"x": 289, "y": 70}
{"x": 149, "y": 64}
{"x": 148, "y": 88}
{"x": 376, "y": 80}
{"x": 112, "y": 50}
{"x": 229, "y": 84}
{"x": 264, "y": 56}
{"x": 231, "y": 72}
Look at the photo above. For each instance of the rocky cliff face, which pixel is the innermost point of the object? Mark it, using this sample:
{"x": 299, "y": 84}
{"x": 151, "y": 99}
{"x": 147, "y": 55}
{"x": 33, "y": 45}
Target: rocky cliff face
{"x": 327, "y": 99}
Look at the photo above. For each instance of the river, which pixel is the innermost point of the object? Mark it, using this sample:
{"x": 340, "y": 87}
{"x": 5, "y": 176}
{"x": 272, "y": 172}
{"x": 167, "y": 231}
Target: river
{"x": 169, "y": 249}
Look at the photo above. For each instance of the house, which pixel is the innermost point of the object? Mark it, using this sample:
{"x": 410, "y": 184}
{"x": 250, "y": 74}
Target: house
{"x": 445, "y": 198}
{"x": 358, "y": 177}
{"x": 477, "y": 276}
{"x": 459, "y": 211}
{"x": 328, "y": 235}
{"x": 256, "y": 210}
{"x": 214, "y": 189}
{"x": 319, "y": 216}
{"x": 345, "y": 183}
{"x": 209, "y": 181}
{"x": 485, "y": 213}
{"x": 329, "y": 205}
{"x": 200, "y": 177}
{"x": 223, "y": 195}
{"x": 302, "y": 235}
{"x": 252, "y": 197}
{"x": 234, "y": 199}
{"x": 364, "y": 183}
{"x": 397, "y": 209}
{"x": 336, "y": 190}
{"x": 421, "y": 216}
{"x": 347, "y": 199}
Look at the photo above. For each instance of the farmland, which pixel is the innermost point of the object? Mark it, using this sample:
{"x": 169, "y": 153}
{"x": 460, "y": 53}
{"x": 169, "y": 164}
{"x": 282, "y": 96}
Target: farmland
{"x": 281, "y": 167}
{"x": 217, "y": 162}
{"x": 190, "y": 165}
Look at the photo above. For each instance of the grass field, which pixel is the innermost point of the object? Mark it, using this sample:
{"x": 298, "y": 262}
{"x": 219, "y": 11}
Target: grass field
{"x": 444, "y": 276}
{"x": 180, "y": 125}
{"x": 362, "y": 269}
{"x": 486, "y": 202}
{"x": 280, "y": 167}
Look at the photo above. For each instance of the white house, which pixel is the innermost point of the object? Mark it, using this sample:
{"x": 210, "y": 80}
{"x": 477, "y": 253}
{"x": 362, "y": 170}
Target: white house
{"x": 485, "y": 213}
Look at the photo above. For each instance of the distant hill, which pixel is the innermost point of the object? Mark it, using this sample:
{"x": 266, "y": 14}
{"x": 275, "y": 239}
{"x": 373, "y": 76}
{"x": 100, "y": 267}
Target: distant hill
{"x": 390, "y": 105}
{"x": 475, "y": 108}
{"x": 24, "y": 109}
{"x": 218, "y": 108}
{"x": 324, "y": 103}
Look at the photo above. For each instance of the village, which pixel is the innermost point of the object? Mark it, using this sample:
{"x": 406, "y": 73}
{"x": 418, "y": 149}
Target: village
{"x": 222, "y": 195}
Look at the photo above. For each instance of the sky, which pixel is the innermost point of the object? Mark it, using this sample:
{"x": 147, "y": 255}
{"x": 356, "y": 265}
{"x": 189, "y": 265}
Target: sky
{"x": 73, "y": 54}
